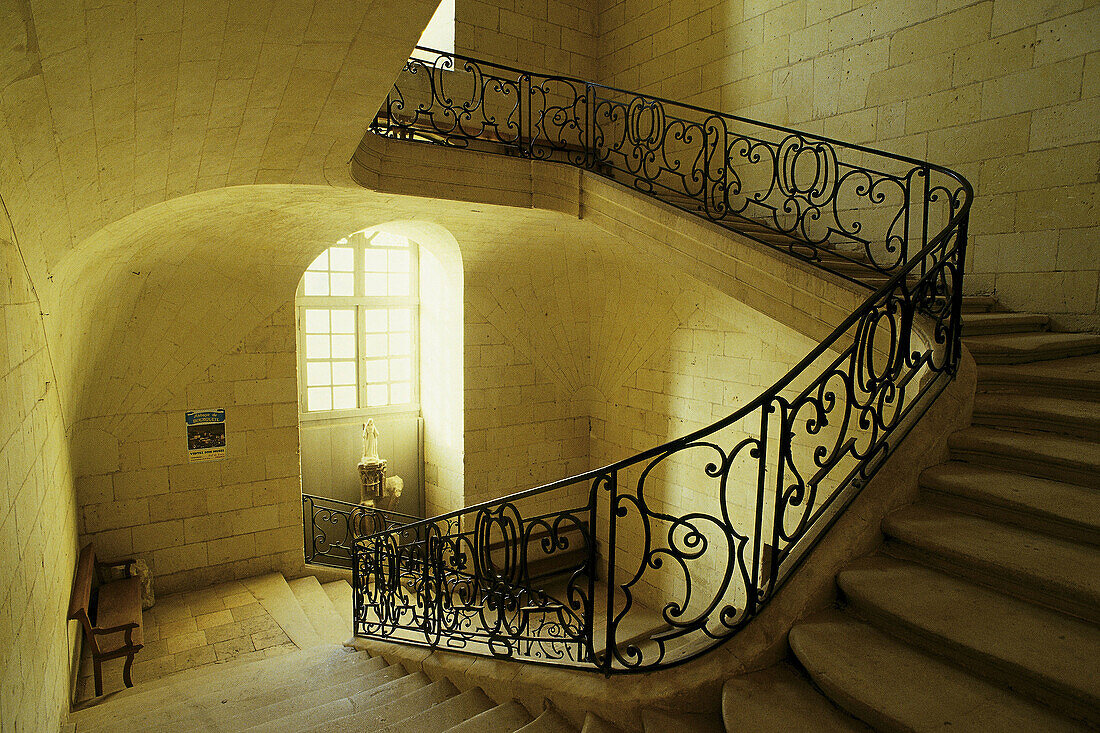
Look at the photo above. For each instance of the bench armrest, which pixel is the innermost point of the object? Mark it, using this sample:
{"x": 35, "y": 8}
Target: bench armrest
{"x": 128, "y": 628}
{"x": 127, "y": 565}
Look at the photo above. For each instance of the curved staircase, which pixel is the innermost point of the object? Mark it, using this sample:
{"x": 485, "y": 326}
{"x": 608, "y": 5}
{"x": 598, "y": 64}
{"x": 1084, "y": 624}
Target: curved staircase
{"x": 980, "y": 610}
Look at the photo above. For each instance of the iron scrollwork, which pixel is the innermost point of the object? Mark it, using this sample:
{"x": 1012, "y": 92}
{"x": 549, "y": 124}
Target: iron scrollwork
{"x": 574, "y": 586}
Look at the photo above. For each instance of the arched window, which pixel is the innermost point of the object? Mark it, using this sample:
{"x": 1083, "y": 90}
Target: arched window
{"x": 358, "y": 313}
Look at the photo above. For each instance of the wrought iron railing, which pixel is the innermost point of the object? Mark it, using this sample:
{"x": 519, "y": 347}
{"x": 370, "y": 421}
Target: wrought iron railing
{"x": 331, "y": 527}
{"x": 766, "y": 481}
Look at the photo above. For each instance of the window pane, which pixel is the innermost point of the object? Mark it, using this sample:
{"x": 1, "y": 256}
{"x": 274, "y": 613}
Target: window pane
{"x": 343, "y": 320}
{"x": 400, "y": 393}
{"x": 400, "y": 319}
{"x": 316, "y": 283}
{"x": 343, "y": 283}
{"x": 374, "y": 260}
{"x": 321, "y": 263}
{"x": 316, "y": 320}
{"x": 342, "y": 259}
{"x": 400, "y": 344}
{"x": 375, "y": 320}
{"x": 317, "y": 347}
{"x": 319, "y": 398}
{"x": 318, "y": 374}
{"x": 401, "y": 369}
{"x": 376, "y": 370}
{"x": 377, "y": 395}
{"x": 343, "y": 372}
{"x": 385, "y": 239}
{"x": 374, "y": 345}
{"x": 343, "y": 398}
{"x": 374, "y": 284}
{"x": 399, "y": 284}
{"x": 343, "y": 347}
{"x": 399, "y": 260}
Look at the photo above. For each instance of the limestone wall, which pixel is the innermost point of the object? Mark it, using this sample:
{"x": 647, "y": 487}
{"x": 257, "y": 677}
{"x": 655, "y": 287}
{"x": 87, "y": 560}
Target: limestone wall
{"x": 37, "y": 512}
{"x": 1004, "y": 91}
{"x": 546, "y": 36}
{"x": 201, "y": 523}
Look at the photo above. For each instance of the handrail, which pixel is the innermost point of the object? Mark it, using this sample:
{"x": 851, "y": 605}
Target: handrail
{"x": 331, "y": 527}
{"x": 810, "y": 441}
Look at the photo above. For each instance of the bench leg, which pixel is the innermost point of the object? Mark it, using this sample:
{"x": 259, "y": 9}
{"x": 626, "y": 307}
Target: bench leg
{"x": 126, "y": 670}
{"x": 98, "y": 668}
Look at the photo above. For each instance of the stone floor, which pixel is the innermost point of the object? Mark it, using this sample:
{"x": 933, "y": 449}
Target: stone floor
{"x": 193, "y": 629}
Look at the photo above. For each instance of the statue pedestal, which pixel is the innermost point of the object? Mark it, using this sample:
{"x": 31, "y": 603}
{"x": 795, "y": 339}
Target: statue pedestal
{"x": 372, "y": 477}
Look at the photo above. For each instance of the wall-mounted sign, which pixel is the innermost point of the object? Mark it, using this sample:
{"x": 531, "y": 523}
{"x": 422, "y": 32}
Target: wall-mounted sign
{"x": 205, "y": 435}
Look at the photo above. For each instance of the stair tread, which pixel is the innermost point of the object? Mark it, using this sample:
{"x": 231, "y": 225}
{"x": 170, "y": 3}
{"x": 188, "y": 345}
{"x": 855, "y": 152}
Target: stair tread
{"x": 1066, "y": 569}
{"x": 340, "y": 594}
{"x": 242, "y": 678}
{"x": 319, "y": 610}
{"x": 1006, "y": 317}
{"x": 892, "y": 686}
{"x": 445, "y": 714}
{"x": 1056, "y": 500}
{"x": 549, "y": 721}
{"x": 778, "y": 698}
{"x": 305, "y": 696}
{"x": 1031, "y": 452}
{"x": 1035, "y": 345}
{"x": 275, "y": 595}
{"x": 661, "y": 721}
{"x": 595, "y": 724}
{"x": 504, "y": 718}
{"x": 419, "y": 694}
{"x": 978, "y": 303}
{"x": 988, "y": 629}
{"x": 1081, "y": 373}
{"x": 1060, "y": 408}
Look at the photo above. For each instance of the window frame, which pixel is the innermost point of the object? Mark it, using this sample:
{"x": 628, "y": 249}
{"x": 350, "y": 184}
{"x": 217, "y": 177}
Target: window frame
{"x": 361, "y": 303}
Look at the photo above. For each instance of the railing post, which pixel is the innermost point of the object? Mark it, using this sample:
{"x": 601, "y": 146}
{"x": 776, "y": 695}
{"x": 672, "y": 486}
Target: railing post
{"x": 307, "y": 527}
{"x": 590, "y": 126}
{"x": 609, "y": 610}
{"x": 761, "y": 494}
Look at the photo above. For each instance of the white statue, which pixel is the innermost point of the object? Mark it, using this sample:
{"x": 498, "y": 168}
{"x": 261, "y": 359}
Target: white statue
{"x": 370, "y": 443}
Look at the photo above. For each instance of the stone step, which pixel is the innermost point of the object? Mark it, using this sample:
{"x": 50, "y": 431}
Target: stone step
{"x": 363, "y": 715}
{"x": 1055, "y": 508}
{"x": 549, "y": 721}
{"x": 305, "y": 697}
{"x": 979, "y": 303}
{"x": 662, "y": 721}
{"x": 507, "y": 718}
{"x": 1056, "y": 573}
{"x": 1045, "y": 455}
{"x": 195, "y": 687}
{"x": 893, "y": 687}
{"x": 1076, "y": 378}
{"x": 340, "y": 594}
{"x": 210, "y": 712}
{"x": 1020, "y": 348}
{"x": 275, "y": 595}
{"x": 780, "y": 699}
{"x": 368, "y": 706}
{"x": 319, "y": 610}
{"x": 1038, "y": 653}
{"x": 1023, "y": 412}
{"x": 976, "y": 324}
{"x": 445, "y": 714}
{"x": 595, "y": 724}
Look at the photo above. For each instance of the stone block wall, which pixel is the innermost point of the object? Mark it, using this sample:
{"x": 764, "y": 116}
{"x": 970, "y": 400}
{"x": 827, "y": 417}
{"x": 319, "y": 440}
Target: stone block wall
{"x": 200, "y": 523}
{"x": 1004, "y": 91}
{"x": 37, "y": 512}
{"x": 546, "y": 36}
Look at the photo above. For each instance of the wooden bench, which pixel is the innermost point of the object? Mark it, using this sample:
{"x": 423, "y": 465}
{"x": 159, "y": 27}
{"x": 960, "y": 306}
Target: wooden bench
{"x": 109, "y": 613}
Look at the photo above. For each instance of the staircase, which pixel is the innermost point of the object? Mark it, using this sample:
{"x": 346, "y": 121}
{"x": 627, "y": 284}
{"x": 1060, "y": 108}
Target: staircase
{"x": 322, "y": 687}
{"x": 980, "y": 611}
